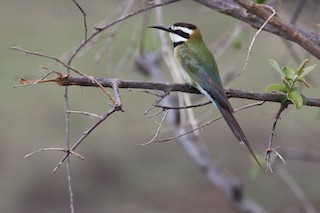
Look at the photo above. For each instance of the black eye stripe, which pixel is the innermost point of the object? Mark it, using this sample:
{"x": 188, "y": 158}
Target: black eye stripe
{"x": 177, "y": 43}
{"x": 182, "y": 34}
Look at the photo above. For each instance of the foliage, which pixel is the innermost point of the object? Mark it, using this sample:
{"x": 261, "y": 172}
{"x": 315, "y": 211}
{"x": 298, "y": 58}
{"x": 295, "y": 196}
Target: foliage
{"x": 290, "y": 78}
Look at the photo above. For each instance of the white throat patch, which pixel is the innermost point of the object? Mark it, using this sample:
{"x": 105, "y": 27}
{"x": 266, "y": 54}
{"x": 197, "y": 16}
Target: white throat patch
{"x": 176, "y": 38}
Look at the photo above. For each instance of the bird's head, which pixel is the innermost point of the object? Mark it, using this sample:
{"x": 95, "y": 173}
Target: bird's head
{"x": 181, "y": 32}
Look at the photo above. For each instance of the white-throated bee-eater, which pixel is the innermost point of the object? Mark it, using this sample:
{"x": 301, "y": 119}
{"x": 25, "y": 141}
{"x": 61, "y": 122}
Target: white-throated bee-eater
{"x": 198, "y": 68}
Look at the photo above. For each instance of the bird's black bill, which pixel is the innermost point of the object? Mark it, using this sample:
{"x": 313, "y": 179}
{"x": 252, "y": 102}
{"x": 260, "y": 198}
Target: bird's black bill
{"x": 167, "y": 29}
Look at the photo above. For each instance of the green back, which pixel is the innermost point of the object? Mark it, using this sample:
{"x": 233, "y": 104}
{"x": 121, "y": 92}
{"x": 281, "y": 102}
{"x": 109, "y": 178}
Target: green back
{"x": 200, "y": 65}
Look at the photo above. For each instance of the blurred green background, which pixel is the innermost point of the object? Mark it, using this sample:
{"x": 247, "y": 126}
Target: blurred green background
{"x": 118, "y": 176}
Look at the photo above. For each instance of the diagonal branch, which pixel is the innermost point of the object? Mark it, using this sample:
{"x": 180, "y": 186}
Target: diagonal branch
{"x": 257, "y": 14}
{"x": 97, "y": 31}
{"x": 116, "y": 107}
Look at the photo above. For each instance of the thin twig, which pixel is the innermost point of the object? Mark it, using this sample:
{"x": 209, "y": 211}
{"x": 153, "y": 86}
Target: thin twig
{"x": 283, "y": 106}
{"x": 158, "y": 130}
{"x": 54, "y": 149}
{"x": 145, "y": 91}
{"x": 255, "y": 36}
{"x": 271, "y": 153}
{"x": 91, "y": 78}
{"x": 183, "y": 107}
{"x": 157, "y": 101}
{"x": 122, "y": 18}
{"x": 116, "y": 107}
{"x": 108, "y": 45}
{"x": 84, "y": 113}
{"x": 209, "y": 122}
{"x": 156, "y": 113}
{"x": 84, "y": 19}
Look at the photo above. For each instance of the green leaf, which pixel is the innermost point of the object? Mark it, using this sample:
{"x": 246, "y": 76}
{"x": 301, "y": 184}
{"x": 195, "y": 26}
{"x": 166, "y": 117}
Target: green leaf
{"x": 306, "y": 71}
{"x": 275, "y": 65}
{"x": 276, "y": 87}
{"x": 288, "y": 72}
{"x": 295, "y": 97}
{"x": 301, "y": 66}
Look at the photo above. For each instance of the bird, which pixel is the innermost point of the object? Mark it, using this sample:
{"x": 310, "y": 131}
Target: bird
{"x": 198, "y": 68}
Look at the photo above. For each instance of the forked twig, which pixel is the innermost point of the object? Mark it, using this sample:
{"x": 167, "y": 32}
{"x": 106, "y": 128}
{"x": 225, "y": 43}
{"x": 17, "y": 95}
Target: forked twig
{"x": 91, "y": 78}
{"x": 158, "y": 130}
{"x": 54, "y": 149}
{"x": 116, "y": 107}
{"x": 157, "y": 101}
{"x": 25, "y": 82}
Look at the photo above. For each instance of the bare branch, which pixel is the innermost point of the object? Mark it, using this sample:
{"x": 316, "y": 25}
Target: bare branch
{"x": 256, "y": 14}
{"x": 84, "y": 19}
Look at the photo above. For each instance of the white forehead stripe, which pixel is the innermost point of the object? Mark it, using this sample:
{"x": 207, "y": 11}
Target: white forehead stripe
{"x": 183, "y": 29}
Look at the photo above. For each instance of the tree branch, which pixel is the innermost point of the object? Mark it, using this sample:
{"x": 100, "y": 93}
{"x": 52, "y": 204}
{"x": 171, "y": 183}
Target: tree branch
{"x": 174, "y": 87}
{"x": 257, "y": 14}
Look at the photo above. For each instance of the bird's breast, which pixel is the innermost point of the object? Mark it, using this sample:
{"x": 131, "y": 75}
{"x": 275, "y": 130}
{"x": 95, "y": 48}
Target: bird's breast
{"x": 185, "y": 75}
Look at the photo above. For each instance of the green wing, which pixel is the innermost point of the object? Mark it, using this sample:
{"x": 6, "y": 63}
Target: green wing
{"x": 200, "y": 65}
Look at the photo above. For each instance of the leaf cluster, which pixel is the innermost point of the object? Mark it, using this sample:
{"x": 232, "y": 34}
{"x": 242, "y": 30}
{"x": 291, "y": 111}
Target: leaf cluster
{"x": 290, "y": 78}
